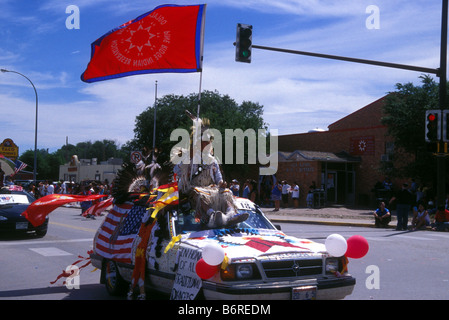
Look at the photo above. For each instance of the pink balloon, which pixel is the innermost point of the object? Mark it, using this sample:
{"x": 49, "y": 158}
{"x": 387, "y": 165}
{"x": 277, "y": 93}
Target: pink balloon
{"x": 357, "y": 247}
{"x": 204, "y": 270}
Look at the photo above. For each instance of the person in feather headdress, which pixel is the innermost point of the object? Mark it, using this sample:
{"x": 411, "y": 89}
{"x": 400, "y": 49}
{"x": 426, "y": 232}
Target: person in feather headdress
{"x": 201, "y": 181}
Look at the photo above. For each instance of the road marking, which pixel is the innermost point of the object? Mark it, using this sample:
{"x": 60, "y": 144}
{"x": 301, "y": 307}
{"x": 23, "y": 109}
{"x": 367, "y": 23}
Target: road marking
{"x": 51, "y": 252}
{"x": 73, "y": 227}
{"x": 12, "y": 243}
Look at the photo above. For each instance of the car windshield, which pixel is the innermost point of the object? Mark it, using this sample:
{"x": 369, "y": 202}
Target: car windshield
{"x": 14, "y": 195}
{"x": 186, "y": 222}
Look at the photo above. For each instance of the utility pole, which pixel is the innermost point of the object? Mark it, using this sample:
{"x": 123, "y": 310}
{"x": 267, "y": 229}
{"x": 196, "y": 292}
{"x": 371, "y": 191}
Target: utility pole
{"x": 441, "y": 161}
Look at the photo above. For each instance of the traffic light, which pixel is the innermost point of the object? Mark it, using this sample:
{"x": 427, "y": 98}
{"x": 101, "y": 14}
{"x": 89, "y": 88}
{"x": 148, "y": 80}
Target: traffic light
{"x": 445, "y": 125}
{"x": 243, "y": 44}
{"x": 433, "y": 125}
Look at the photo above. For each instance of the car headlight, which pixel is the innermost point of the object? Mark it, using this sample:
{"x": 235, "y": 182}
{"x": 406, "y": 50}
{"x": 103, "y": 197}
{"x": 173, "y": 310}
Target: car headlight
{"x": 333, "y": 265}
{"x": 240, "y": 271}
{"x": 2, "y": 218}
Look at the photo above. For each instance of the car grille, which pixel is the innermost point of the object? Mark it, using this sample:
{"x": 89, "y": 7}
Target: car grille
{"x": 292, "y": 268}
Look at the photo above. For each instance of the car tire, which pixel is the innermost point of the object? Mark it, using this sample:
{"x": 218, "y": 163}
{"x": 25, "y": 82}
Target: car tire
{"x": 115, "y": 285}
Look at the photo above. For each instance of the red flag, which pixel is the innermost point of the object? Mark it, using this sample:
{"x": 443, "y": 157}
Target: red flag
{"x": 167, "y": 39}
{"x": 98, "y": 208}
{"x": 39, "y": 209}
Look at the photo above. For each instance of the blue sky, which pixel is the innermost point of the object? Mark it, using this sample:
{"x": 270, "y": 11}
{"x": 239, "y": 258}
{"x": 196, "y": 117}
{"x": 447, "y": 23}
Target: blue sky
{"x": 298, "y": 93}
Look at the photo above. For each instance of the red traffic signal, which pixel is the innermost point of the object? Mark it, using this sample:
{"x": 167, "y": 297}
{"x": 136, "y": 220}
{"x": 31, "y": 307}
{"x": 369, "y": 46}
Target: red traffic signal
{"x": 433, "y": 125}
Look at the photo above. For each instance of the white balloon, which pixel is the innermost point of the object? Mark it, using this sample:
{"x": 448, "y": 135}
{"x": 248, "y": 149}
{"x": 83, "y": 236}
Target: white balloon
{"x": 336, "y": 245}
{"x": 213, "y": 254}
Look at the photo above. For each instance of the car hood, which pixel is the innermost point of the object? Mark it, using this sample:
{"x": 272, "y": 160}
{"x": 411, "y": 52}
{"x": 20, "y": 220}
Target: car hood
{"x": 253, "y": 243}
{"x": 12, "y": 210}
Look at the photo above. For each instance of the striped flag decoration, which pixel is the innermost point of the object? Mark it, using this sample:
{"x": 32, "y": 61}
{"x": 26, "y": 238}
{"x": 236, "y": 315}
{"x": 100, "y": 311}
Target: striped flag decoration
{"x": 114, "y": 241}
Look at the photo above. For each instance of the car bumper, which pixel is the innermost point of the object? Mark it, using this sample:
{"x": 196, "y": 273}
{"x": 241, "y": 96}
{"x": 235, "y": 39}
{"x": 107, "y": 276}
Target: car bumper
{"x": 326, "y": 289}
{"x": 19, "y": 225}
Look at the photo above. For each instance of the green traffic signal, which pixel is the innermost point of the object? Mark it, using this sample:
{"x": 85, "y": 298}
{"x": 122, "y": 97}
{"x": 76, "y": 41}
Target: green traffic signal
{"x": 243, "y": 43}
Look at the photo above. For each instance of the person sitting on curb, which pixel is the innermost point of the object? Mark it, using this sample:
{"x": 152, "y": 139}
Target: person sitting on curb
{"x": 420, "y": 217}
{"x": 382, "y": 216}
{"x": 441, "y": 219}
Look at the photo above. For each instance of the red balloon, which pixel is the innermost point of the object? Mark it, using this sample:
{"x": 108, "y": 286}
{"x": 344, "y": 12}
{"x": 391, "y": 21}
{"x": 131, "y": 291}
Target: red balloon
{"x": 357, "y": 247}
{"x": 204, "y": 270}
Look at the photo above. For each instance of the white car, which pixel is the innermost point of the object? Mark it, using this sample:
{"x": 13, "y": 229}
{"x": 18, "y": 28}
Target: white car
{"x": 261, "y": 262}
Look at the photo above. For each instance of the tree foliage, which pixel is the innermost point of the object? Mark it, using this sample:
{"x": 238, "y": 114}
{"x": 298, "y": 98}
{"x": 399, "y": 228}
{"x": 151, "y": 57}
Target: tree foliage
{"x": 48, "y": 163}
{"x": 404, "y": 115}
{"x": 222, "y": 111}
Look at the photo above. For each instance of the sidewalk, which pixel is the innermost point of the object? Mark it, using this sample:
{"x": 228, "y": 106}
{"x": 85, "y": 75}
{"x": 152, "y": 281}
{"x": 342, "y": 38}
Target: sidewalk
{"x": 338, "y": 215}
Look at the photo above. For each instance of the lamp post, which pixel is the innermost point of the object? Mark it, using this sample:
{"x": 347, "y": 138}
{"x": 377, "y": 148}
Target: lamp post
{"x": 35, "y": 125}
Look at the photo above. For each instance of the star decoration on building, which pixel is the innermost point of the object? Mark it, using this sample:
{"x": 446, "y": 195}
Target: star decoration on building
{"x": 362, "y": 145}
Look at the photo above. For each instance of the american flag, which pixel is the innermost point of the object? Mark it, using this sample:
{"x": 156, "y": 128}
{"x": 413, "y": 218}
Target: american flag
{"x": 19, "y": 166}
{"x": 99, "y": 207}
{"x": 118, "y": 231}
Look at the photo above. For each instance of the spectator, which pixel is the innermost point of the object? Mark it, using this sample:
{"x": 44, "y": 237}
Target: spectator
{"x": 33, "y": 190}
{"x": 58, "y": 188}
{"x": 441, "y": 219}
{"x": 285, "y": 192}
{"x": 235, "y": 188}
{"x": 382, "y": 216}
{"x": 50, "y": 187}
{"x": 295, "y": 194}
{"x": 42, "y": 189}
{"x": 404, "y": 201}
{"x": 246, "y": 189}
{"x": 85, "y": 190}
{"x": 387, "y": 185}
{"x": 420, "y": 217}
{"x": 276, "y": 194}
{"x": 309, "y": 198}
{"x": 252, "y": 186}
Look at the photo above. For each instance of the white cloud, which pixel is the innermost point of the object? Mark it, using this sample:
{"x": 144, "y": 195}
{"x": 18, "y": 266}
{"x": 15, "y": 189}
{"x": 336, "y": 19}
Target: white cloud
{"x": 299, "y": 93}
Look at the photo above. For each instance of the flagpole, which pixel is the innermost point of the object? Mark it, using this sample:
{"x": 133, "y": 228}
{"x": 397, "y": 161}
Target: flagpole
{"x": 199, "y": 93}
{"x": 154, "y": 123}
{"x": 203, "y": 22}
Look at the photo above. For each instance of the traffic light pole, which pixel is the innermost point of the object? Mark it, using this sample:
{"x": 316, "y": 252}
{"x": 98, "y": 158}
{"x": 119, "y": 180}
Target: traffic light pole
{"x": 348, "y": 59}
{"x": 441, "y": 160}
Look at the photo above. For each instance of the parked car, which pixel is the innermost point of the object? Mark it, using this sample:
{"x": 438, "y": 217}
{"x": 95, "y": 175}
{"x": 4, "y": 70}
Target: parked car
{"x": 262, "y": 262}
{"x": 13, "y": 201}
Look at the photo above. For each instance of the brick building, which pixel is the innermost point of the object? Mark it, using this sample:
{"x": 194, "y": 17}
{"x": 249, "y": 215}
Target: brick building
{"x": 344, "y": 161}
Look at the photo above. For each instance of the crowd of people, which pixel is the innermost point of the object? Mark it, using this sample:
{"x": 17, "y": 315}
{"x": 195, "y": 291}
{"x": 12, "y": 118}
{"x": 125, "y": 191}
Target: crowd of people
{"x": 417, "y": 199}
{"x": 83, "y": 188}
{"x": 272, "y": 192}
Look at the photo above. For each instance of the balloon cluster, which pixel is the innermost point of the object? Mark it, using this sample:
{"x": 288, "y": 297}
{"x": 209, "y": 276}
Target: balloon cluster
{"x": 355, "y": 247}
{"x": 212, "y": 257}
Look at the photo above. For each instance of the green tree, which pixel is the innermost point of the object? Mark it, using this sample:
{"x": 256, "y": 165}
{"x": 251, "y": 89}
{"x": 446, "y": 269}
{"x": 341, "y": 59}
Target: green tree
{"x": 222, "y": 111}
{"x": 404, "y": 114}
{"x": 48, "y": 163}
